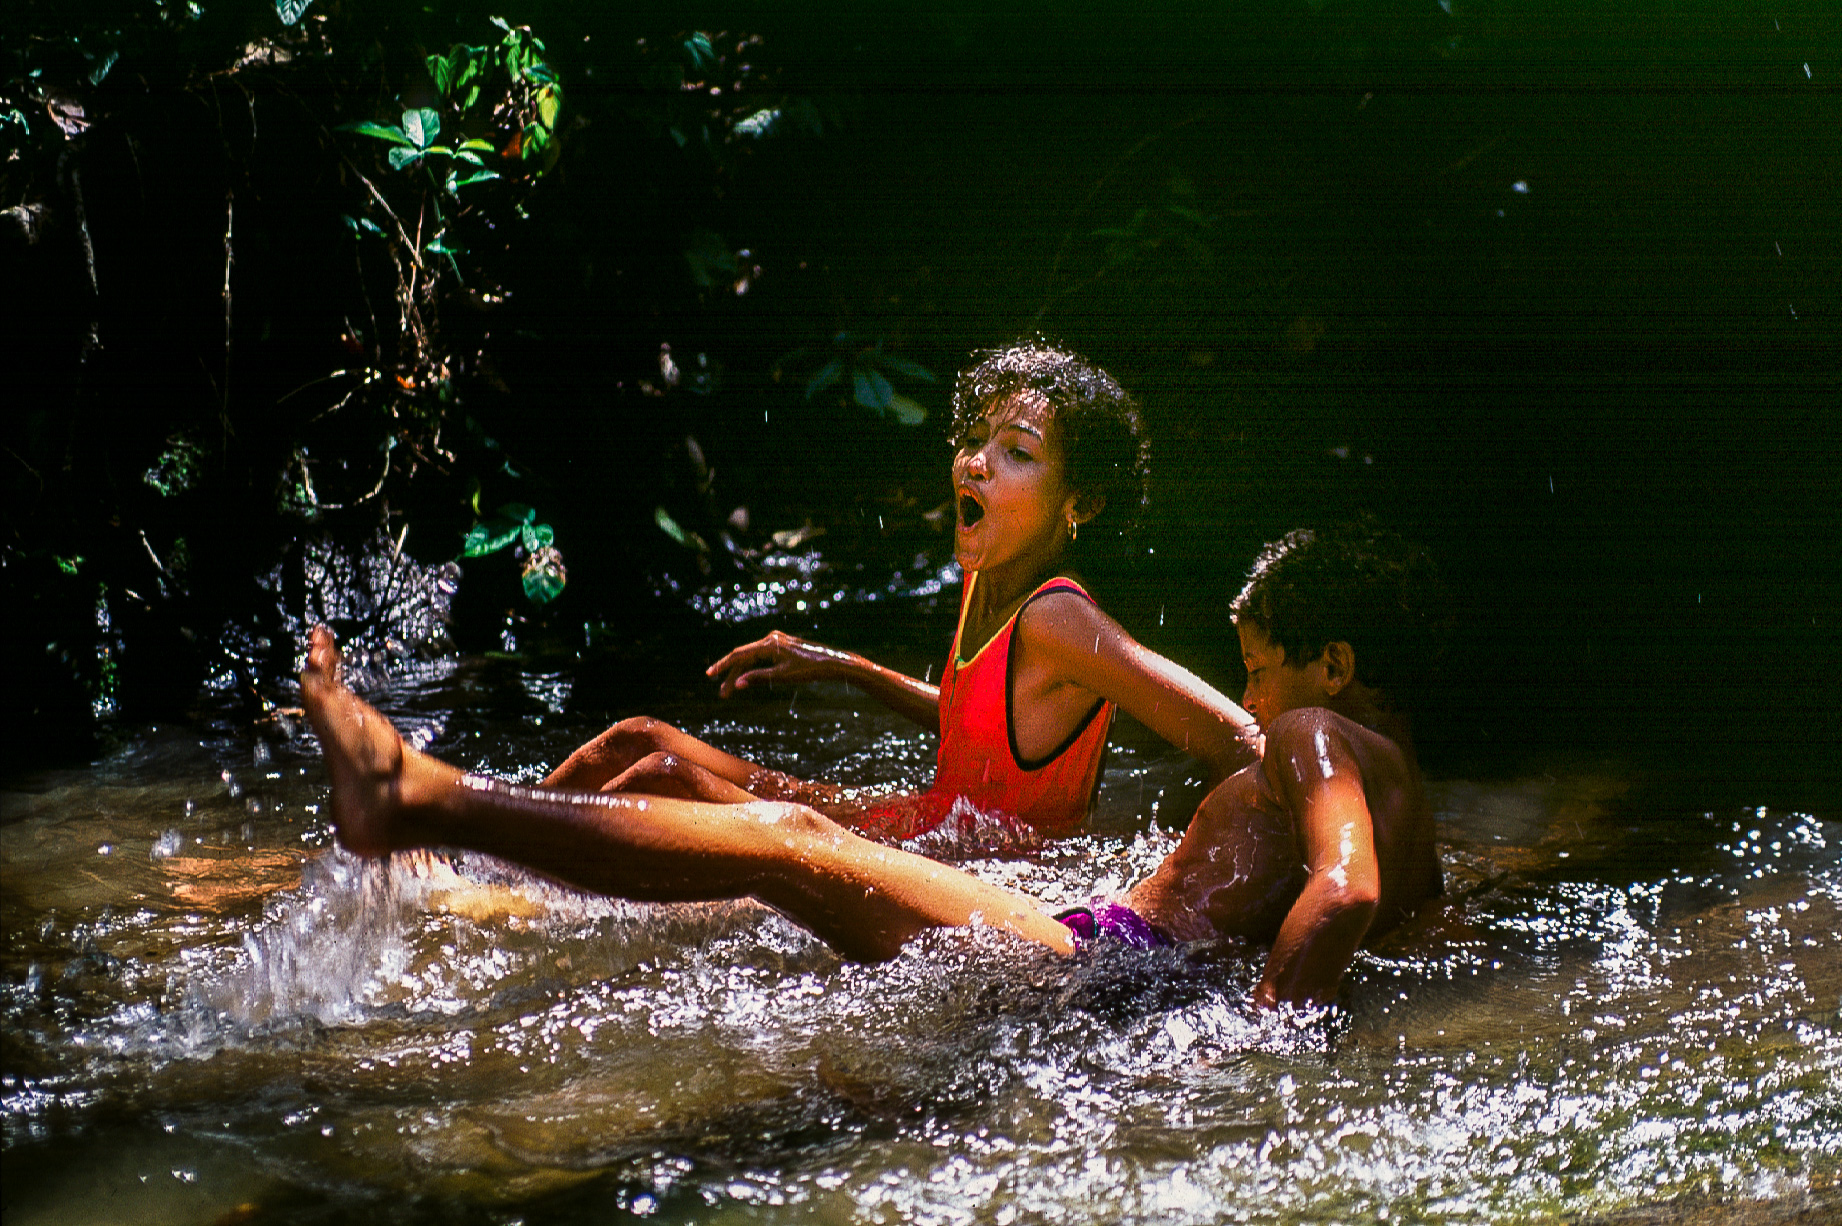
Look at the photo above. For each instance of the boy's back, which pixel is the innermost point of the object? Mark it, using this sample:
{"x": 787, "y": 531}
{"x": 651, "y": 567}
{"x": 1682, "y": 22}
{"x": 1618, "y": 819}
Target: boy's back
{"x": 1241, "y": 866}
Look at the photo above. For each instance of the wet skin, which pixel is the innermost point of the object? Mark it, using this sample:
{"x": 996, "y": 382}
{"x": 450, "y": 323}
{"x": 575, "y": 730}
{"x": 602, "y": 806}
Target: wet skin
{"x": 1326, "y": 842}
{"x": 863, "y": 899}
{"x": 1333, "y": 794}
{"x": 1015, "y": 509}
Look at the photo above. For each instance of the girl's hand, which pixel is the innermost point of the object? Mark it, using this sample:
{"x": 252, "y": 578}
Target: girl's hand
{"x": 778, "y": 658}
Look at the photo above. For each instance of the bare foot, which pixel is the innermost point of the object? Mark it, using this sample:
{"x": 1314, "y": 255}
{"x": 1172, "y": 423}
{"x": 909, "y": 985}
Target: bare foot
{"x": 364, "y": 754}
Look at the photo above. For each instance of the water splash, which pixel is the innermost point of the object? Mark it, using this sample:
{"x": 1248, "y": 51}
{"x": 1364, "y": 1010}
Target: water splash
{"x": 1654, "y": 1016}
{"x": 323, "y": 952}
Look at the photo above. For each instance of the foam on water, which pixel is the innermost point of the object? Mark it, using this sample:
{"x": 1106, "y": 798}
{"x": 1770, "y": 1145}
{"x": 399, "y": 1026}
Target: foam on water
{"x": 1619, "y": 1008}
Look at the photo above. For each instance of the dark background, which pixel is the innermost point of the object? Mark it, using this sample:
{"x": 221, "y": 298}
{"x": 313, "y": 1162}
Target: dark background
{"x": 1552, "y": 287}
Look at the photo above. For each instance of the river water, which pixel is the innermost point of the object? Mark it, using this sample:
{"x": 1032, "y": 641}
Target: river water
{"x": 1631, "y": 1011}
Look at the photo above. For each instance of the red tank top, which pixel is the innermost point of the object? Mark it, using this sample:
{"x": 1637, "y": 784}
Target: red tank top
{"x": 978, "y": 757}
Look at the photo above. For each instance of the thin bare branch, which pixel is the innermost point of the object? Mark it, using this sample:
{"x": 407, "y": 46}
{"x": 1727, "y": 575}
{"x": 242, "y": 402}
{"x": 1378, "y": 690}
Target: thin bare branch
{"x": 230, "y": 217}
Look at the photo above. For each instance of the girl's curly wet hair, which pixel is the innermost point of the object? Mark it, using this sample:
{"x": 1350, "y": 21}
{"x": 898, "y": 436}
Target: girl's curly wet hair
{"x": 1104, "y": 448}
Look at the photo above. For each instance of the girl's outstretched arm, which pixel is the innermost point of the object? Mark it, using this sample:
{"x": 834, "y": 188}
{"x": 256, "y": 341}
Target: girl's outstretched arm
{"x": 1066, "y": 640}
{"x": 783, "y": 659}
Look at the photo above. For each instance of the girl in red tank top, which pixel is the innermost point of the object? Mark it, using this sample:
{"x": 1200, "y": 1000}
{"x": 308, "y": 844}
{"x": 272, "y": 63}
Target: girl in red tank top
{"x": 978, "y": 760}
{"x": 1050, "y": 450}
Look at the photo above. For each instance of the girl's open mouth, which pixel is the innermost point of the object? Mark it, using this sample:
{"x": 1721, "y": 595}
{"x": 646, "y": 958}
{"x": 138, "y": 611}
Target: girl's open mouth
{"x": 970, "y": 511}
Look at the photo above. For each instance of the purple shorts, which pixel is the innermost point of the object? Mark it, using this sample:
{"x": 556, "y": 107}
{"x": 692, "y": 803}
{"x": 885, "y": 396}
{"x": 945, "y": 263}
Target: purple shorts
{"x": 1110, "y": 919}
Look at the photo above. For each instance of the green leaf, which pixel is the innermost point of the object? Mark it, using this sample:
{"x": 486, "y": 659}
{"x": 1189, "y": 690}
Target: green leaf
{"x": 479, "y": 146}
{"x": 523, "y": 55}
{"x": 366, "y": 127}
{"x": 509, "y": 523}
{"x": 422, "y": 126}
{"x": 710, "y": 257}
{"x": 536, "y": 536}
{"x": 543, "y": 577}
{"x": 675, "y": 530}
{"x": 827, "y": 375}
{"x": 67, "y": 565}
{"x": 761, "y": 123}
{"x": 478, "y": 176}
{"x": 669, "y": 526}
{"x": 401, "y": 157}
{"x": 179, "y": 468}
{"x": 906, "y": 411}
{"x": 291, "y": 11}
{"x": 902, "y": 366}
{"x": 549, "y": 102}
{"x": 697, "y": 49}
{"x": 101, "y": 65}
{"x": 489, "y": 536}
{"x": 871, "y": 389}
{"x": 441, "y": 68}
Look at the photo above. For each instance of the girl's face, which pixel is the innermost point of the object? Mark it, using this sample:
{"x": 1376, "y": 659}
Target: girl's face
{"x": 1010, "y": 487}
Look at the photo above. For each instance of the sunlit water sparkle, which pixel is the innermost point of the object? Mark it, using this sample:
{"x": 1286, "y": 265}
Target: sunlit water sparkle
{"x": 224, "y": 1016}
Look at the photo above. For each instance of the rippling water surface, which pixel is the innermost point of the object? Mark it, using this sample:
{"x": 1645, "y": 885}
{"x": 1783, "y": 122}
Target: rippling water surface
{"x": 1632, "y": 1009}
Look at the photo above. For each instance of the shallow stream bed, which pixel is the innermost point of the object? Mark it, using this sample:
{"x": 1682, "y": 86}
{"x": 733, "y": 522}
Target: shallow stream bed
{"x": 1631, "y": 1011}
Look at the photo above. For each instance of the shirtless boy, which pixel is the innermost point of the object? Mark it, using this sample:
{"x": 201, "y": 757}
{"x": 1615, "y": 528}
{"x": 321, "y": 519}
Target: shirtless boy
{"x": 1327, "y": 840}
{"x": 1324, "y": 843}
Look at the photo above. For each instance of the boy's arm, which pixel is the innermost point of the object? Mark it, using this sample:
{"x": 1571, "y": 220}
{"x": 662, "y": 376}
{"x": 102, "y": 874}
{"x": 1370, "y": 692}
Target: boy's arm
{"x": 784, "y": 658}
{"x": 1310, "y": 765}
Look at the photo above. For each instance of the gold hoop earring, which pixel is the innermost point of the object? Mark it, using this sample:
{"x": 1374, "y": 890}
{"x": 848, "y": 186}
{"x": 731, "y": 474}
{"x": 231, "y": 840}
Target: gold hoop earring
{"x": 1074, "y": 528}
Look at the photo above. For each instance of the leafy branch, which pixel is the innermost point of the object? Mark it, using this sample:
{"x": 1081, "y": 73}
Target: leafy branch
{"x": 869, "y": 369}
{"x": 515, "y": 525}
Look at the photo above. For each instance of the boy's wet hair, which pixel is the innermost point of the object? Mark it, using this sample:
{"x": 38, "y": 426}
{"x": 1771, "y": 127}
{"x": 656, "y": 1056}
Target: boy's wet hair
{"x": 1104, "y": 447}
{"x": 1355, "y": 583}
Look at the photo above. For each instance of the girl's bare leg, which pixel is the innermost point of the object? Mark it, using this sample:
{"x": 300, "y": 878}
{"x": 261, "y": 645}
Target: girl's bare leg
{"x": 861, "y": 898}
{"x": 616, "y": 751}
{"x": 612, "y": 762}
{"x": 663, "y": 774}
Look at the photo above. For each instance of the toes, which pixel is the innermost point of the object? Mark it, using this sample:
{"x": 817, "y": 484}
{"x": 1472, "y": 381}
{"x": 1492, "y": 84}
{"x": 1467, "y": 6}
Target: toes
{"x": 323, "y": 651}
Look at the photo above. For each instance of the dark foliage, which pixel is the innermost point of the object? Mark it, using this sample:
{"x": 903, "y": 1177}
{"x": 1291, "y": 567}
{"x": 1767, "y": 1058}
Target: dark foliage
{"x": 1549, "y": 287}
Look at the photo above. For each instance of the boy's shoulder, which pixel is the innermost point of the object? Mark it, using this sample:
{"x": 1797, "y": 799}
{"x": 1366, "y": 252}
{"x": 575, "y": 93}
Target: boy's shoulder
{"x": 1311, "y": 721}
{"x": 1310, "y": 736}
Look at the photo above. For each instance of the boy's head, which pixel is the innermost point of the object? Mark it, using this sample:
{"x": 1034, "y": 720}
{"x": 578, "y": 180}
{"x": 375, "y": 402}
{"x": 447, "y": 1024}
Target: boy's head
{"x": 1104, "y": 450}
{"x": 1356, "y": 584}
